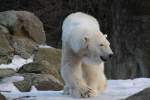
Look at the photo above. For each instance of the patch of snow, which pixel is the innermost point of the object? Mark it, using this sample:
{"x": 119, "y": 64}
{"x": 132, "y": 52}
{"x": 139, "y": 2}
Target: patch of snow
{"x": 45, "y": 46}
{"x": 116, "y": 90}
{"x": 17, "y": 62}
{"x": 7, "y": 85}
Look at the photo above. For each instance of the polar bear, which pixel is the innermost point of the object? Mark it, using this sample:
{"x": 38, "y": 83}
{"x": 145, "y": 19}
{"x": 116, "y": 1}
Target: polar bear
{"x": 84, "y": 51}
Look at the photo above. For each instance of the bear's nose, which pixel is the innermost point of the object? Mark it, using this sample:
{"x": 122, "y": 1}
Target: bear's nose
{"x": 110, "y": 55}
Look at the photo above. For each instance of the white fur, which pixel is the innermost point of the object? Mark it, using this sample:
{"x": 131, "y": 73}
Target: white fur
{"x": 81, "y": 66}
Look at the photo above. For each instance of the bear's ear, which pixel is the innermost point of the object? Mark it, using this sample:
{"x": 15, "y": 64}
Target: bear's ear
{"x": 105, "y": 35}
{"x": 86, "y": 40}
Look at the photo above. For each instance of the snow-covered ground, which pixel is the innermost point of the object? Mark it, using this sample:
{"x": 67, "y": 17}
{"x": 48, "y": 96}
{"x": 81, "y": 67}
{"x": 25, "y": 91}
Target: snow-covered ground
{"x": 116, "y": 90}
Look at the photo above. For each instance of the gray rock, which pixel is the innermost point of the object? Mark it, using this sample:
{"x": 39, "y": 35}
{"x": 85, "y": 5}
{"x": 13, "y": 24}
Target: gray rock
{"x": 20, "y": 33}
{"x": 40, "y": 81}
{"x": 52, "y": 55}
{"x": 23, "y": 23}
{"x": 30, "y": 26}
{"x": 143, "y": 95}
{"x": 8, "y": 19}
{"x": 24, "y": 86}
{"x": 39, "y": 68}
{"x": 6, "y": 72}
{"x": 49, "y": 57}
{"x": 23, "y": 46}
{"x": 6, "y": 51}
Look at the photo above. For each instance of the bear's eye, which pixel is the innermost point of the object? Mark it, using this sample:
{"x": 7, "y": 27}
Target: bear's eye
{"x": 102, "y": 45}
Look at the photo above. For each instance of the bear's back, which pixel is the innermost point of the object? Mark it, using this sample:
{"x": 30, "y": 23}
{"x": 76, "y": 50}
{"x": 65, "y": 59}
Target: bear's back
{"x": 78, "y": 20}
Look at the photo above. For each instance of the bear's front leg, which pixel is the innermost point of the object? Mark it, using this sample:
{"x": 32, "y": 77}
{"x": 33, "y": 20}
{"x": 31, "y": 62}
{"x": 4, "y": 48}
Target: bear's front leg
{"x": 74, "y": 83}
{"x": 82, "y": 91}
{"x": 94, "y": 76}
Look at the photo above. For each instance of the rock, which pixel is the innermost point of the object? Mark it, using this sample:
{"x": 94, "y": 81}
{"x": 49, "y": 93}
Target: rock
{"x": 23, "y": 46}
{"x": 6, "y": 51}
{"x": 143, "y": 95}
{"x": 31, "y": 26}
{"x": 6, "y": 72}
{"x": 49, "y": 57}
{"x": 23, "y": 24}
{"x": 4, "y": 30}
{"x": 2, "y": 97}
{"x": 20, "y": 34}
{"x": 39, "y": 68}
{"x": 8, "y": 19}
{"x": 51, "y": 84}
{"x": 52, "y": 55}
{"x": 24, "y": 86}
{"x": 40, "y": 81}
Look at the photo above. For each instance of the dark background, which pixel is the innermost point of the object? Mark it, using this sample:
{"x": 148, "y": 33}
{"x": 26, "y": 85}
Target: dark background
{"x": 127, "y": 23}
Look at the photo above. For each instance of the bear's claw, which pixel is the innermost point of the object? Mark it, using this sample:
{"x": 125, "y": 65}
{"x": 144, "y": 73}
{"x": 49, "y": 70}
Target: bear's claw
{"x": 84, "y": 92}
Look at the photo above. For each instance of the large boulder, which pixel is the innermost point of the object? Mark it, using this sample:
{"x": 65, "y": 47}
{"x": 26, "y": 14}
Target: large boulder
{"x": 6, "y": 51}
{"x": 20, "y": 33}
{"x": 40, "y": 81}
{"x": 23, "y": 24}
{"x": 40, "y": 68}
{"x": 30, "y": 25}
{"x": 52, "y": 55}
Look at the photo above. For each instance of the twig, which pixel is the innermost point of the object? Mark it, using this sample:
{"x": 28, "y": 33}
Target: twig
{"x": 5, "y": 91}
{"x": 23, "y": 97}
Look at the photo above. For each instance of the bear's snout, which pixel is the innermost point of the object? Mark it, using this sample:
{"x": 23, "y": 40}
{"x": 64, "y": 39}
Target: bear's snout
{"x": 105, "y": 58}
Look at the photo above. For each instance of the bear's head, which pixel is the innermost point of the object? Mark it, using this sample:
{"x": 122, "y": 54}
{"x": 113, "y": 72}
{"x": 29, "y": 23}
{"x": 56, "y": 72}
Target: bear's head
{"x": 95, "y": 48}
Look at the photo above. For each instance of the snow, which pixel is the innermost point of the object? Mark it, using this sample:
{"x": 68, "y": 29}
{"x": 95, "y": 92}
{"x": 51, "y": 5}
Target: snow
{"x": 17, "y": 62}
{"x": 45, "y": 46}
{"x": 116, "y": 90}
{"x": 7, "y": 83}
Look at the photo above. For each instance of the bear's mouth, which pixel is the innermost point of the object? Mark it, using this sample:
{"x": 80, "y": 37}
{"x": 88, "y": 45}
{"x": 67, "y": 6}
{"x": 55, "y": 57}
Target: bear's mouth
{"x": 102, "y": 58}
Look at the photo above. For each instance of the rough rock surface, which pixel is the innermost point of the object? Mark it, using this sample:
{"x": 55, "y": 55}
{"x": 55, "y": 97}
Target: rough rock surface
{"x": 6, "y": 72}
{"x": 40, "y": 68}
{"x": 30, "y": 26}
{"x": 23, "y": 46}
{"x": 23, "y": 24}
{"x": 20, "y": 33}
{"x": 50, "y": 57}
{"x": 143, "y": 95}
{"x": 40, "y": 81}
{"x": 6, "y": 51}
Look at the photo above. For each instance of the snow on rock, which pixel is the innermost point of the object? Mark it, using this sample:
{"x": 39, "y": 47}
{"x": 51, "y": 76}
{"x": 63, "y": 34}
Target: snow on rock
{"x": 116, "y": 90}
{"x": 17, "y": 62}
{"x": 45, "y": 46}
